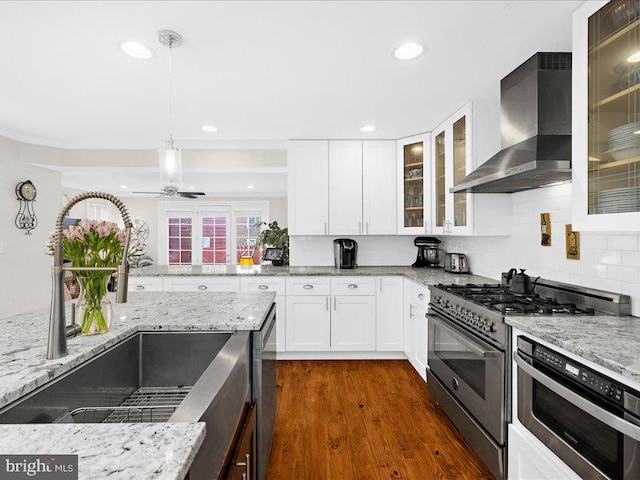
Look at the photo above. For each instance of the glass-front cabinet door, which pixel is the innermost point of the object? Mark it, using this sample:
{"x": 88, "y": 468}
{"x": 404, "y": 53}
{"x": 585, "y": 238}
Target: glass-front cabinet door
{"x": 414, "y": 184}
{"x": 451, "y": 164}
{"x": 606, "y": 121}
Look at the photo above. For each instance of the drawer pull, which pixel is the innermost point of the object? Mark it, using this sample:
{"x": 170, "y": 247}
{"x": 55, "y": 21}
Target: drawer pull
{"x": 139, "y": 287}
{"x": 421, "y": 296}
{"x": 263, "y": 287}
{"x": 308, "y": 286}
{"x": 352, "y": 286}
{"x": 202, "y": 287}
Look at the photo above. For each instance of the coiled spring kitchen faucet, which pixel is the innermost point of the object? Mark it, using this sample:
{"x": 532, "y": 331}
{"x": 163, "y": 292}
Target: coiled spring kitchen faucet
{"x": 58, "y": 332}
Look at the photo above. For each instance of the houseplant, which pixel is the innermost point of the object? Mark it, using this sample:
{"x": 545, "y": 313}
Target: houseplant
{"x": 93, "y": 243}
{"x": 274, "y": 236}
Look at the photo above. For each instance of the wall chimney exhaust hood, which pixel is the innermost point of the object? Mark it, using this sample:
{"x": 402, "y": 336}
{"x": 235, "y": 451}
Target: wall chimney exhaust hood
{"x": 535, "y": 101}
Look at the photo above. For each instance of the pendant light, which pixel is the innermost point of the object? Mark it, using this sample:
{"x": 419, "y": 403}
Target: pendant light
{"x": 169, "y": 153}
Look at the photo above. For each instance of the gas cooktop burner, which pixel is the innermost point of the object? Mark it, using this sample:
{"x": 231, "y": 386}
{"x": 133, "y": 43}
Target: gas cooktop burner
{"x": 500, "y": 299}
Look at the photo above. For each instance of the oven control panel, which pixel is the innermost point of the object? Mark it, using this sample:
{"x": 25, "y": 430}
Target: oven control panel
{"x": 463, "y": 314}
{"x": 594, "y": 381}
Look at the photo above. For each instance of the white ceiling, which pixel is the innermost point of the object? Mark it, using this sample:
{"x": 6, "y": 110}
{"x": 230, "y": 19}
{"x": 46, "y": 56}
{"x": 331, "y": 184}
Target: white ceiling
{"x": 262, "y": 72}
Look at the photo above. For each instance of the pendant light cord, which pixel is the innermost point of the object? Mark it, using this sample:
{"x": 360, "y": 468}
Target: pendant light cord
{"x": 170, "y": 91}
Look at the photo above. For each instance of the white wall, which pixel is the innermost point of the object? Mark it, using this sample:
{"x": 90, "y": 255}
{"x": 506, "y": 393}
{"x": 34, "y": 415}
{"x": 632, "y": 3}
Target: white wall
{"x": 608, "y": 261}
{"x": 25, "y": 268}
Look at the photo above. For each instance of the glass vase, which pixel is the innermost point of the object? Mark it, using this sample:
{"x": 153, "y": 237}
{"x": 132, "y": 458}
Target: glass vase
{"x": 94, "y": 308}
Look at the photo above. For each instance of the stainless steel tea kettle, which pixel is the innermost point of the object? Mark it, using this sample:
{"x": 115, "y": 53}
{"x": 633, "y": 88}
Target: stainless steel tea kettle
{"x": 520, "y": 282}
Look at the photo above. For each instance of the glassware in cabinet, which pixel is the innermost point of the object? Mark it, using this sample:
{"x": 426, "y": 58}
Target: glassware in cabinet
{"x": 413, "y": 159}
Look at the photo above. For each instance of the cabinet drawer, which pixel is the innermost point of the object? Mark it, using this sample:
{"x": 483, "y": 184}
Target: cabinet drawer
{"x": 202, "y": 283}
{"x": 353, "y": 286}
{"x": 308, "y": 286}
{"x": 421, "y": 296}
{"x": 145, "y": 284}
{"x": 263, "y": 284}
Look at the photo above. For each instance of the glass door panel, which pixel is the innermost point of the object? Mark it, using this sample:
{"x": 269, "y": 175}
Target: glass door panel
{"x": 247, "y": 236}
{"x": 441, "y": 194}
{"x": 413, "y": 160}
{"x": 459, "y": 171}
{"x": 215, "y": 233}
{"x": 180, "y": 240}
{"x": 614, "y": 109}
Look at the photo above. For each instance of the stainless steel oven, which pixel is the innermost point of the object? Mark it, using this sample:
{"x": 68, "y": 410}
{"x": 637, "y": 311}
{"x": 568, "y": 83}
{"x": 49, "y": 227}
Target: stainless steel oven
{"x": 587, "y": 419}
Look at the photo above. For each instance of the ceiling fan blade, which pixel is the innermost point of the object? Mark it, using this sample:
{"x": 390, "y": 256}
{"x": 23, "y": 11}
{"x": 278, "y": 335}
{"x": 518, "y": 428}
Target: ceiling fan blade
{"x": 192, "y": 193}
{"x": 151, "y": 193}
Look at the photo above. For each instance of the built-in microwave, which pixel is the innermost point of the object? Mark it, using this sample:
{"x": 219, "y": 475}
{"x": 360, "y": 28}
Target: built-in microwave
{"x": 590, "y": 421}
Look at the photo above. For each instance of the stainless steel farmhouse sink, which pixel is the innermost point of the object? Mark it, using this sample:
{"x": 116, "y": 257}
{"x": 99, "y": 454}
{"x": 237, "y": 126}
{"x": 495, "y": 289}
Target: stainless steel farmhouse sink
{"x": 154, "y": 377}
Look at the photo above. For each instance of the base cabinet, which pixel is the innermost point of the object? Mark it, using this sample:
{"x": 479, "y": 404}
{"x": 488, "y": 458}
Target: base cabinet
{"x": 308, "y": 324}
{"x": 415, "y": 326}
{"x": 242, "y": 464}
{"x": 529, "y": 459}
{"x": 389, "y": 314}
{"x": 353, "y": 323}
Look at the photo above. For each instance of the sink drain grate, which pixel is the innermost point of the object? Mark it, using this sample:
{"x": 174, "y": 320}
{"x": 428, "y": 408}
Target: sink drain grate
{"x": 145, "y": 405}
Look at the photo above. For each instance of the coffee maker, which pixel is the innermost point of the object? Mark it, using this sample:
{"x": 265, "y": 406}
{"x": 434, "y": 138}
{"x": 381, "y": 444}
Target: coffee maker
{"x": 345, "y": 253}
{"x": 429, "y": 252}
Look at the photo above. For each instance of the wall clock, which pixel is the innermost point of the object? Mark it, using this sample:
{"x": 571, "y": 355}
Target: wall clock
{"x": 26, "y": 194}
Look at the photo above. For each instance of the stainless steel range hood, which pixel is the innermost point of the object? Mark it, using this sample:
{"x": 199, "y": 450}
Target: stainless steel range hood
{"x": 535, "y": 102}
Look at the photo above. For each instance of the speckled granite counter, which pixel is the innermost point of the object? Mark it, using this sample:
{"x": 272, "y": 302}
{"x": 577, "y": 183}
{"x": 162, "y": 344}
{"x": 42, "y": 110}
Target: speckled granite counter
{"x": 24, "y": 367}
{"x": 425, "y": 276}
{"x": 612, "y": 342}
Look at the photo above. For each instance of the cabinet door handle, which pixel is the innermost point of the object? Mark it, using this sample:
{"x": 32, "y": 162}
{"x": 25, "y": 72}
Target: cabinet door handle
{"x": 421, "y": 296}
{"x": 263, "y": 287}
{"x": 202, "y": 287}
{"x": 247, "y": 467}
{"x": 334, "y": 304}
{"x": 139, "y": 287}
{"x": 411, "y": 310}
{"x": 308, "y": 286}
{"x": 352, "y": 286}
{"x": 326, "y": 303}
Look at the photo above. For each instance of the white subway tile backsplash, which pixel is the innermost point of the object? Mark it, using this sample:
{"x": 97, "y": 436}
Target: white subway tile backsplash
{"x": 630, "y": 258}
{"x": 607, "y": 257}
{"x": 622, "y": 273}
{"x": 594, "y": 270}
{"x": 622, "y": 242}
{"x": 593, "y": 241}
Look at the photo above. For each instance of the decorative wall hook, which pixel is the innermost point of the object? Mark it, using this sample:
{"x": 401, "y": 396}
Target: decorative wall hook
{"x": 26, "y": 218}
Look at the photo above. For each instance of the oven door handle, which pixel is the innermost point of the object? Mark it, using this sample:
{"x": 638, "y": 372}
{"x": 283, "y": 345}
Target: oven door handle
{"x": 471, "y": 345}
{"x": 615, "y": 422}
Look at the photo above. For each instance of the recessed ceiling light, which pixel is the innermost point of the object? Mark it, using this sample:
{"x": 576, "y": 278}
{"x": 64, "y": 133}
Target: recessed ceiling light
{"x": 191, "y": 187}
{"x": 208, "y": 128}
{"x": 635, "y": 58}
{"x": 250, "y": 186}
{"x": 408, "y": 51}
{"x": 124, "y": 186}
{"x": 136, "y": 50}
{"x": 368, "y": 128}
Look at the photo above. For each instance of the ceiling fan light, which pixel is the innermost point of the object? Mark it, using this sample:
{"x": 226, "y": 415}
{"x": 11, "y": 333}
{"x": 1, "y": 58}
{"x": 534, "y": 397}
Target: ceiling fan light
{"x": 170, "y": 164}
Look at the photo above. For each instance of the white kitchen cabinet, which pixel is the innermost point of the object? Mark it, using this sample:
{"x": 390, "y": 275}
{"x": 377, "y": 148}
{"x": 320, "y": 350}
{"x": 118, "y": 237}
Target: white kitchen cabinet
{"x": 308, "y": 187}
{"x": 201, "y": 284}
{"x": 605, "y": 108}
{"x": 345, "y": 187}
{"x": 353, "y": 314}
{"x": 362, "y": 187}
{"x": 407, "y": 318}
{"x": 419, "y": 330}
{"x": 308, "y": 323}
{"x": 278, "y": 286}
{"x": 461, "y": 143}
{"x": 308, "y": 314}
{"x": 353, "y": 323}
{"x": 379, "y": 211}
{"x": 414, "y": 184}
{"x": 145, "y": 284}
{"x": 529, "y": 459}
{"x": 389, "y": 314}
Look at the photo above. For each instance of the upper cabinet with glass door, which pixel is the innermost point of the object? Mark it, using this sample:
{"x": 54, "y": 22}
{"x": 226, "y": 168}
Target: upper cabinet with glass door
{"x": 466, "y": 139}
{"x": 414, "y": 184}
{"x": 606, "y": 116}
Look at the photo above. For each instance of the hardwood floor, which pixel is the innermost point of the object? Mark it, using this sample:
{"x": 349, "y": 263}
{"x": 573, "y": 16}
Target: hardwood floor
{"x": 363, "y": 419}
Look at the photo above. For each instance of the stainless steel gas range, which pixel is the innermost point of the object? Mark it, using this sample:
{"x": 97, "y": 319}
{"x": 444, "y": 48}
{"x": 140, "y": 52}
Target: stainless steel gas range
{"x": 469, "y": 353}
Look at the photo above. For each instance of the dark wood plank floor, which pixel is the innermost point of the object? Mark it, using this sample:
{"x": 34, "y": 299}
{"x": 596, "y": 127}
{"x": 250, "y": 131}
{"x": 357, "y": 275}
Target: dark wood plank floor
{"x": 363, "y": 419}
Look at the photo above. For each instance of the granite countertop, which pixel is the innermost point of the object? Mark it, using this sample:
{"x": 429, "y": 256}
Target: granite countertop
{"x": 609, "y": 341}
{"x": 424, "y": 276}
{"x": 24, "y": 367}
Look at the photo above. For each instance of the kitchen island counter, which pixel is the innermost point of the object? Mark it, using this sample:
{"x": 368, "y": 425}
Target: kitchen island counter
{"x": 609, "y": 341}
{"x": 150, "y": 451}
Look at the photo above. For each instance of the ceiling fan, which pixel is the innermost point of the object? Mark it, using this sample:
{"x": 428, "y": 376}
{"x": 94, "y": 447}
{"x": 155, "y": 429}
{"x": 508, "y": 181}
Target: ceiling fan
{"x": 172, "y": 191}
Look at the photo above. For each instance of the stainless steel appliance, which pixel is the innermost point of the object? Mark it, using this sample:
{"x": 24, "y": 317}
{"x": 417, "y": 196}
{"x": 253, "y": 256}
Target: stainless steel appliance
{"x": 429, "y": 252}
{"x": 535, "y": 101}
{"x": 263, "y": 389}
{"x": 468, "y": 352}
{"x": 456, "y": 263}
{"x": 589, "y": 420}
{"x": 345, "y": 253}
